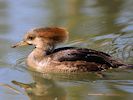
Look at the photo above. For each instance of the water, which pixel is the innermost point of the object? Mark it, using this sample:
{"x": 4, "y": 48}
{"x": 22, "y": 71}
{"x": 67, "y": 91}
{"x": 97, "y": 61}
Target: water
{"x": 105, "y": 25}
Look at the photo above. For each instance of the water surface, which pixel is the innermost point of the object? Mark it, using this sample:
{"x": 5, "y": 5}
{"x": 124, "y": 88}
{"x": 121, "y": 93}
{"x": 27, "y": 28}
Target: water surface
{"x": 105, "y": 25}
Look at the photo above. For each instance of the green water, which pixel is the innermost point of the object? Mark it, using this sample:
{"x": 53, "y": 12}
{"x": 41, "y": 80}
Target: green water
{"x": 105, "y": 25}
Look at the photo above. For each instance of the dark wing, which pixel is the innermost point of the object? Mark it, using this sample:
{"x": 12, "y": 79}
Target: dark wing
{"x": 79, "y": 54}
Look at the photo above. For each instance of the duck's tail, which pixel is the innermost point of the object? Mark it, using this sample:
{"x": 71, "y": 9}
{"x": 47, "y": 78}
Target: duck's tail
{"x": 126, "y": 66}
{"x": 129, "y": 66}
{"x": 120, "y": 64}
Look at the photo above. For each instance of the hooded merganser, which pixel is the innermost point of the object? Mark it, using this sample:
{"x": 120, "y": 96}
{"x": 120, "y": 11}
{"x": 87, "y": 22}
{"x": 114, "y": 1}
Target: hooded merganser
{"x": 45, "y": 58}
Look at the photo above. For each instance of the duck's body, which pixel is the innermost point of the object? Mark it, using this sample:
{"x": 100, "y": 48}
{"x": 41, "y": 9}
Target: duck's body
{"x": 71, "y": 59}
{"x": 44, "y": 58}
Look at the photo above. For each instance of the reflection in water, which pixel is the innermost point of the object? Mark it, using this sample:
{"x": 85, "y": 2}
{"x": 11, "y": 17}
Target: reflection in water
{"x": 82, "y": 87}
{"x": 43, "y": 89}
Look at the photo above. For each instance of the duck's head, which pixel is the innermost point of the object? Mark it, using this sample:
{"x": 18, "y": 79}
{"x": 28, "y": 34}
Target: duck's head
{"x": 44, "y": 37}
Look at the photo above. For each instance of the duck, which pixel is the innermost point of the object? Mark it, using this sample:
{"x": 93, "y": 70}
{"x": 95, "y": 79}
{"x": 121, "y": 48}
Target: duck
{"x": 45, "y": 57}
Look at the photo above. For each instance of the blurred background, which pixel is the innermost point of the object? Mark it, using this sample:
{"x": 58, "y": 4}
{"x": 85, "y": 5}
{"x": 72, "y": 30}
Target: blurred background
{"x": 105, "y": 25}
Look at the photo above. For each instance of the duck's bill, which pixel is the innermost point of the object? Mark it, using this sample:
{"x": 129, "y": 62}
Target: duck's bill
{"x": 21, "y": 43}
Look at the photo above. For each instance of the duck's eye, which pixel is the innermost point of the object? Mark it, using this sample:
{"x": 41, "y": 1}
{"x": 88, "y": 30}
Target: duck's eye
{"x": 31, "y": 38}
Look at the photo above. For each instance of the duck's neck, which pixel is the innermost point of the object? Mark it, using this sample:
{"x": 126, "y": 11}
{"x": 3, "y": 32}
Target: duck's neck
{"x": 35, "y": 57}
{"x": 39, "y": 54}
